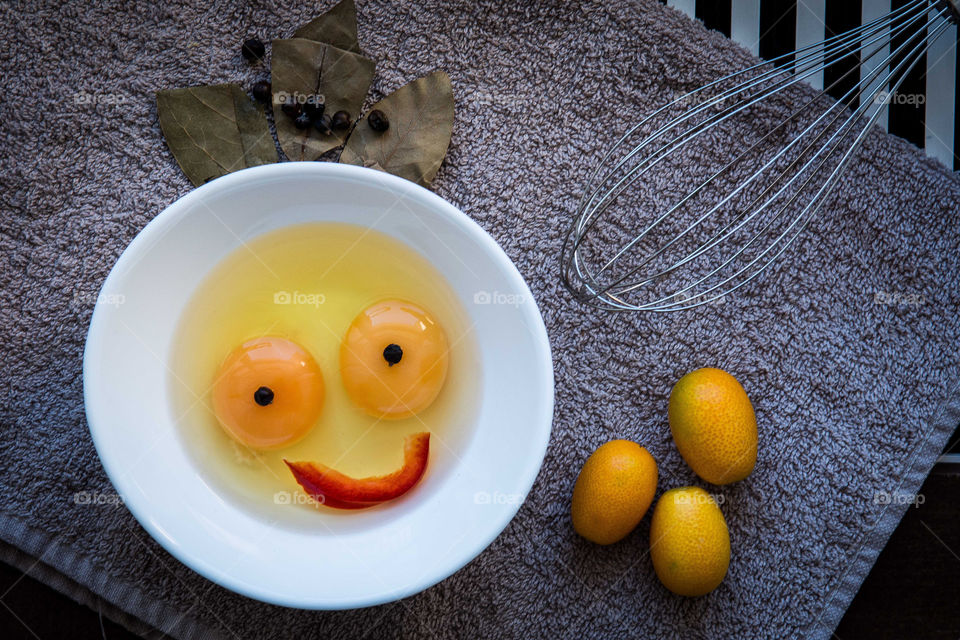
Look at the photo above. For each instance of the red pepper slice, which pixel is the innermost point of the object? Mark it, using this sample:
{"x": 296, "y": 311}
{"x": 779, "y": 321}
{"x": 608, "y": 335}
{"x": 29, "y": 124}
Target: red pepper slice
{"x": 334, "y": 489}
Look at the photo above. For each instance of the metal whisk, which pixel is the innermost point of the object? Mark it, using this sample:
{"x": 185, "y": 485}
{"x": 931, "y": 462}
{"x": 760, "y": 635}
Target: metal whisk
{"x": 657, "y": 250}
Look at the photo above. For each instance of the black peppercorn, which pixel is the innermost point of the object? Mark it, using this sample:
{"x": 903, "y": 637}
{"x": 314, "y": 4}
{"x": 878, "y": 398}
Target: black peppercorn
{"x": 322, "y": 125}
{"x": 263, "y": 396}
{"x": 261, "y": 91}
{"x": 378, "y": 121}
{"x": 341, "y": 120}
{"x": 392, "y": 354}
{"x": 290, "y": 107}
{"x": 302, "y": 121}
{"x": 314, "y": 107}
{"x": 253, "y": 50}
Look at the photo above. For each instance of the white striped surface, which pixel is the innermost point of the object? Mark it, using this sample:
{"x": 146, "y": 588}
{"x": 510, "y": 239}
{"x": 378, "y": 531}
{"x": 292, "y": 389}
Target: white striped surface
{"x": 940, "y": 75}
{"x": 941, "y": 96}
{"x": 687, "y": 6}
{"x": 745, "y": 24}
{"x": 811, "y": 29}
{"x": 872, "y": 10}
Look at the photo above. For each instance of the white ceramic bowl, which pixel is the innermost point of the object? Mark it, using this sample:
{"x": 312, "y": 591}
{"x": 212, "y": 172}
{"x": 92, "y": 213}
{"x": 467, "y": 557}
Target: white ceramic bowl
{"x": 381, "y": 559}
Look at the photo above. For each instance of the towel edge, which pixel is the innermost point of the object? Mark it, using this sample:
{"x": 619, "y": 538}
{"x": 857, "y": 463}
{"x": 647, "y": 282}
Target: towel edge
{"x": 921, "y": 461}
{"x": 58, "y": 565}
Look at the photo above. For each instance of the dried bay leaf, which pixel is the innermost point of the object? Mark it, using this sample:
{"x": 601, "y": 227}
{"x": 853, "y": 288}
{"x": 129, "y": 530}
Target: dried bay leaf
{"x": 303, "y": 67}
{"x": 421, "y": 123}
{"x": 214, "y": 130}
{"x": 337, "y": 27}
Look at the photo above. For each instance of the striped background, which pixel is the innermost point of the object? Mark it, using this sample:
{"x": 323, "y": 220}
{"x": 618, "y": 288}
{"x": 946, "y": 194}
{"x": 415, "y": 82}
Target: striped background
{"x": 770, "y": 28}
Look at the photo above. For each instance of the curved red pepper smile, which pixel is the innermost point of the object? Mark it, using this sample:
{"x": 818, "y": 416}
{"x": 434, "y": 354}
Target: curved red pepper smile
{"x": 334, "y": 489}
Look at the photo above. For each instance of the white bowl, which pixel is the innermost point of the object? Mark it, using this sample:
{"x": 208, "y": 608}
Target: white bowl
{"x": 380, "y": 559}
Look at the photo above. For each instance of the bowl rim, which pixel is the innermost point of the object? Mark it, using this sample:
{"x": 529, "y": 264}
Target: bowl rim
{"x": 169, "y": 217}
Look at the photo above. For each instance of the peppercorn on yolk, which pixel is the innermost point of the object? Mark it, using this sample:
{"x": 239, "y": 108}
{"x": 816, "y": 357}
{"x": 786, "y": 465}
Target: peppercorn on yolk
{"x": 393, "y": 359}
{"x": 268, "y": 393}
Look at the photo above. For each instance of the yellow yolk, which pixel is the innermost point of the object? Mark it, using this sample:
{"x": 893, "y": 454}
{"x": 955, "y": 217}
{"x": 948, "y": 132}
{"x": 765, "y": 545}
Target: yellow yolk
{"x": 393, "y": 359}
{"x": 268, "y": 393}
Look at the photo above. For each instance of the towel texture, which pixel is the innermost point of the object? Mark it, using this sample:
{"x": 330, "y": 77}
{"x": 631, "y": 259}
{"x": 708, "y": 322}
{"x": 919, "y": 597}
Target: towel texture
{"x": 849, "y": 349}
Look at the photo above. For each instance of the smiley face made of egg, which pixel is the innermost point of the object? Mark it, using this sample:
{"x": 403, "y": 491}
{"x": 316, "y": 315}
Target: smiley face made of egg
{"x": 269, "y": 394}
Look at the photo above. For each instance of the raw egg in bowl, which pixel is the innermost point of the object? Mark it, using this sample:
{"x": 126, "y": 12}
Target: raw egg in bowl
{"x": 318, "y": 370}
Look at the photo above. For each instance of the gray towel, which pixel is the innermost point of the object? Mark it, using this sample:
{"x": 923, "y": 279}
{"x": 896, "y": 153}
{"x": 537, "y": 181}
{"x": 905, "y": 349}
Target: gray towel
{"x": 849, "y": 349}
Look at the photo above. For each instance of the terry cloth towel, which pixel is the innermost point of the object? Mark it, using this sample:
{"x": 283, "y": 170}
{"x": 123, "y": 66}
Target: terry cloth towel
{"x": 849, "y": 348}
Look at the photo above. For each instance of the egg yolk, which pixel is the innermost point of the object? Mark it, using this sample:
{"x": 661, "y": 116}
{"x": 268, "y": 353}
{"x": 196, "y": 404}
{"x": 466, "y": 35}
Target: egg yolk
{"x": 393, "y": 359}
{"x": 268, "y": 393}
